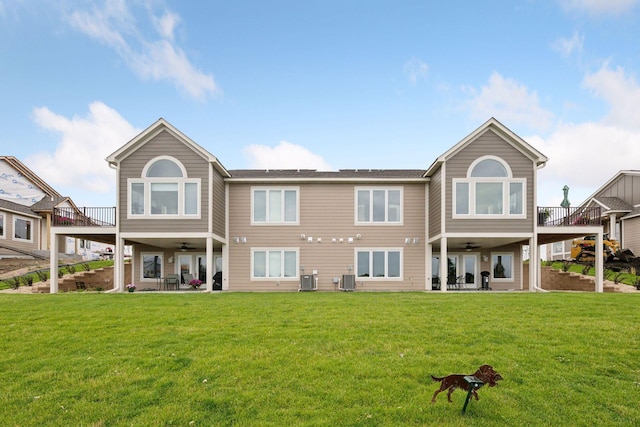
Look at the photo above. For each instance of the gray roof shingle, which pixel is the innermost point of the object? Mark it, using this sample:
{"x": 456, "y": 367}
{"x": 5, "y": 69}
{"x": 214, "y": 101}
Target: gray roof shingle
{"x": 315, "y": 174}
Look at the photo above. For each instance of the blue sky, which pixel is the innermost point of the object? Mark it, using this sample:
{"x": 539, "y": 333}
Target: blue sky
{"x": 320, "y": 84}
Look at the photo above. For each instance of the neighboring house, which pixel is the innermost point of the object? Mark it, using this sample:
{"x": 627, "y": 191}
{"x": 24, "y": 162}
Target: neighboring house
{"x": 26, "y": 207}
{"x": 619, "y": 202}
{"x": 470, "y": 214}
{"x": 559, "y": 250}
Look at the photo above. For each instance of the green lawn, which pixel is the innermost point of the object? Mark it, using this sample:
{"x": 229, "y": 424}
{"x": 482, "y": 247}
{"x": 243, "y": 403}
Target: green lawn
{"x": 317, "y": 359}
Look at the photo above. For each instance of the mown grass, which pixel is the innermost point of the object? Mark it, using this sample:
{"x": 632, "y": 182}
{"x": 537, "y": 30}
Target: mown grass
{"x": 316, "y": 359}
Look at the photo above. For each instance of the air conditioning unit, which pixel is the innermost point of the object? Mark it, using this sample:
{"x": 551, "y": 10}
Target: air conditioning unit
{"x": 308, "y": 282}
{"x": 348, "y": 282}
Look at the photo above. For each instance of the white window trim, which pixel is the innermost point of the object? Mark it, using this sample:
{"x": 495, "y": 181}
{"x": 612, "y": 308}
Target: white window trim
{"x": 162, "y": 272}
{"x": 386, "y": 189}
{"x": 282, "y": 190}
{"x": 3, "y": 223}
{"x": 281, "y": 278}
{"x": 512, "y": 267}
{"x": 473, "y": 181}
{"x": 147, "y": 197}
{"x": 386, "y": 263}
{"x": 33, "y": 229}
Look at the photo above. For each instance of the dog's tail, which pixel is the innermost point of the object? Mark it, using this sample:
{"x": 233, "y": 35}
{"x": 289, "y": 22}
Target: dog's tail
{"x": 437, "y": 379}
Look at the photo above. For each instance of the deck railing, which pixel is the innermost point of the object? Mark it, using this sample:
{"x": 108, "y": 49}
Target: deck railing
{"x": 567, "y": 217}
{"x": 84, "y": 217}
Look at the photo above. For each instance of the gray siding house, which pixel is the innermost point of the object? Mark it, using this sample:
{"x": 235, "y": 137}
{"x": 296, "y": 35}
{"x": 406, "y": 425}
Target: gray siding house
{"x": 618, "y": 200}
{"x": 459, "y": 224}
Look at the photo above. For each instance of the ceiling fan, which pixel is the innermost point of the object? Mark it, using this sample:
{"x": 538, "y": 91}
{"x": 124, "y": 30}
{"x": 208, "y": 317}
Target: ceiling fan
{"x": 184, "y": 247}
{"x": 469, "y": 247}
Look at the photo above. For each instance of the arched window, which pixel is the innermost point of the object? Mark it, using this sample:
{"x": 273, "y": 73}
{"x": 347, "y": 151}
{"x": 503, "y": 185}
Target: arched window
{"x": 164, "y": 168}
{"x": 488, "y": 168}
{"x": 164, "y": 189}
{"x": 489, "y": 190}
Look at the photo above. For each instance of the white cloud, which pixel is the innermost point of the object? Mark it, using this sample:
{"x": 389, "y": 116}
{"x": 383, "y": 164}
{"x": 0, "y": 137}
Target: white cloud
{"x": 509, "y": 102}
{"x": 415, "y": 69}
{"x": 78, "y": 161}
{"x": 285, "y": 155}
{"x": 584, "y": 156}
{"x": 568, "y": 46}
{"x": 621, "y": 92}
{"x": 600, "y": 7}
{"x": 157, "y": 59}
{"x": 166, "y": 24}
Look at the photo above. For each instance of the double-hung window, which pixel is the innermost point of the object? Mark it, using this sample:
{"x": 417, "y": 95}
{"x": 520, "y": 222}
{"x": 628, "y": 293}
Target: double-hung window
{"x": 22, "y": 229}
{"x": 274, "y": 263}
{"x": 379, "y": 205}
{"x": 2, "y": 226}
{"x": 379, "y": 263}
{"x": 489, "y": 191}
{"x": 164, "y": 190}
{"x": 275, "y": 205}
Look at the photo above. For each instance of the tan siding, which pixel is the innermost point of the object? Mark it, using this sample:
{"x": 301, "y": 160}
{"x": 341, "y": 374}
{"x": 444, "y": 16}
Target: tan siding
{"x": 521, "y": 167}
{"x": 218, "y": 208}
{"x": 20, "y": 245}
{"x": 517, "y": 282}
{"x": 631, "y": 233}
{"x": 326, "y": 212}
{"x": 164, "y": 144}
{"x": 435, "y": 205}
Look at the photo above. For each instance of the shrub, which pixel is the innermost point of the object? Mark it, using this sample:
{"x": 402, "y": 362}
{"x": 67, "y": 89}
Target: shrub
{"x": 14, "y": 282}
{"x": 43, "y": 275}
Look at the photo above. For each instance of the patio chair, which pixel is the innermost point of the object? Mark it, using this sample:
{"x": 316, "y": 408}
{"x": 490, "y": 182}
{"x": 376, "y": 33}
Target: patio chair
{"x": 172, "y": 280}
{"x": 186, "y": 278}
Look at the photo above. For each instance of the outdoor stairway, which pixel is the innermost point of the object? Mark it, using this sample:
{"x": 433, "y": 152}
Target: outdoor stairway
{"x": 557, "y": 280}
{"x": 100, "y": 279}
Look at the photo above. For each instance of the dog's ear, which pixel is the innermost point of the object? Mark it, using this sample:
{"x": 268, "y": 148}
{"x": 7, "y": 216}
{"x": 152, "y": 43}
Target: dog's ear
{"x": 485, "y": 368}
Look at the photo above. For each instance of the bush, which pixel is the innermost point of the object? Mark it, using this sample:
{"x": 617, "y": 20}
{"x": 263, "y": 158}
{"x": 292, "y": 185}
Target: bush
{"x": 43, "y": 275}
{"x": 14, "y": 282}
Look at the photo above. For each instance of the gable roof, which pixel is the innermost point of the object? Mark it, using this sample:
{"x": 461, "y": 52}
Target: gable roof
{"x": 500, "y": 129}
{"x": 47, "y": 204}
{"x": 8, "y": 206}
{"x": 609, "y": 182}
{"x": 612, "y": 204}
{"x": 153, "y": 130}
{"x": 340, "y": 175}
{"x": 30, "y": 175}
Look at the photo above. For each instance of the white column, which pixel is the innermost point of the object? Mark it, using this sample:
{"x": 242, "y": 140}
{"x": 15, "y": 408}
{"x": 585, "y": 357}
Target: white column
{"x": 209, "y": 266}
{"x": 428, "y": 271}
{"x": 599, "y": 262}
{"x": 53, "y": 264}
{"x": 444, "y": 265}
{"x": 225, "y": 266}
{"x": 612, "y": 227}
{"x": 534, "y": 262}
{"x": 118, "y": 265}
